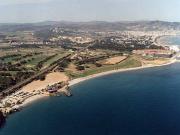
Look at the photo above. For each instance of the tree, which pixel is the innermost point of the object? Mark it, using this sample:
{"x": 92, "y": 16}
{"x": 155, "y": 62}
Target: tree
{"x": 98, "y": 65}
{"x": 80, "y": 68}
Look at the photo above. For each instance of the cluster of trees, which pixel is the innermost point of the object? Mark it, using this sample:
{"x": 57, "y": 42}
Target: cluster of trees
{"x": 129, "y": 45}
{"x": 8, "y": 67}
{"x": 91, "y": 60}
{"x": 5, "y": 74}
{"x": 80, "y": 67}
{"x": 64, "y": 63}
{"x": 41, "y": 77}
{"x": 29, "y": 46}
{"x": 81, "y": 64}
{"x": 7, "y": 79}
{"x": 18, "y": 65}
{"x": 13, "y": 67}
{"x": 155, "y": 47}
{"x": 25, "y": 56}
{"x": 20, "y": 76}
{"x": 9, "y": 56}
{"x": 83, "y": 67}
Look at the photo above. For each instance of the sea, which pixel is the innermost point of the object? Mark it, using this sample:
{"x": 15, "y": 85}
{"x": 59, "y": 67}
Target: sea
{"x": 141, "y": 102}
{"x": 170, "y": 40}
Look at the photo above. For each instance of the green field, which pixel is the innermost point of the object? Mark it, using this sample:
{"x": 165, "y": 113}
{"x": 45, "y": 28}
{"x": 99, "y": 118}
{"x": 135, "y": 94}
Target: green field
{"x": 21, "y": 63}
{"x": 11, "y": 59}
{"x": 128, "y": 63}
{"x": 57, "y": 57}
{"x": 35, "y": 61}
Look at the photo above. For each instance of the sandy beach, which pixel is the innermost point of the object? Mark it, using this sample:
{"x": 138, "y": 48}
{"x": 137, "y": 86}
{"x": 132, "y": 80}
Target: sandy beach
{"x": 51, "y": 79}
{"x": 59, "y": 77}
{"x": 34, "y": 90}
{"x": 78, "y": 80}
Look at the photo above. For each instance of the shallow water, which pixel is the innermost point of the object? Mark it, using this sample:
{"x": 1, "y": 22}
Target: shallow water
{"x": 142, "y": 102}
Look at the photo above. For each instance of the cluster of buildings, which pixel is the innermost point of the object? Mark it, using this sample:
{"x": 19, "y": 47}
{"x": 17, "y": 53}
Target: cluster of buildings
{"x": 30, "y": 42}
{"x": 16, "y": 42}
{"x": 141, "y": 40}
{"x": 140, "y": 33}
{"x": 55, "y": 87}
{"x": 76, "y": 39}
{"x": 14, "y": 102}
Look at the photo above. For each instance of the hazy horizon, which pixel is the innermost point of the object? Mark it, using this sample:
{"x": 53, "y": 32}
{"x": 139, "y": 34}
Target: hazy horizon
{"x": 88, "y": 21}
{"x": 31, "y": 11}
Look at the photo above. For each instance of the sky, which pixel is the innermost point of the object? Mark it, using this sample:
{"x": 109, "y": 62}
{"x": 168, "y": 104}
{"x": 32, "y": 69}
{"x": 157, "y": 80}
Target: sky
{"x": 27, "y": 11}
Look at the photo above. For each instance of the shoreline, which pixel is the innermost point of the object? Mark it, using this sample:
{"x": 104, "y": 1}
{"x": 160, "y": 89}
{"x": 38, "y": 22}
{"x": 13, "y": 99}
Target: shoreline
{"x": 79, "y": 80}
{"x": 32, "y": 99}
{"x": 159, "y": 40}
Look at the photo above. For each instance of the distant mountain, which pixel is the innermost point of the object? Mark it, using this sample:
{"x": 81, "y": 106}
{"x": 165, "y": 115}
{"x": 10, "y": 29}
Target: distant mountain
{"x": 95, "y": 26}
{"x": 121, "y": 26}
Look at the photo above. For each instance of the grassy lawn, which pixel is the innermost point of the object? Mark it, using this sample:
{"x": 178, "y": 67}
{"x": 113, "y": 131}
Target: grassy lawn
{"x": 49, "y": 62}
{"x": 40, "y": 58}
{"x": 35, "y": 61}
{"x": 11, "y": 59}
{"x": 128, "y": 63}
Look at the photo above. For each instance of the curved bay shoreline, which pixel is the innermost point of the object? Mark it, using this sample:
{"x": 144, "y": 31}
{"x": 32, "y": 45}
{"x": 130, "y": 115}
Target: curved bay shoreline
{"x": 33, "y": 99}
{"x": 79, "y": 80}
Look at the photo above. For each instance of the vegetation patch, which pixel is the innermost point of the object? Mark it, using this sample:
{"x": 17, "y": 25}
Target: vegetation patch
{"x": 128, "y": 63}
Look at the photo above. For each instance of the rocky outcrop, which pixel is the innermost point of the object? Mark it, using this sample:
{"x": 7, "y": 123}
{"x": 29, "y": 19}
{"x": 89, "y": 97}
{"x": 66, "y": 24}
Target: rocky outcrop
{"x": 2, "y": 120}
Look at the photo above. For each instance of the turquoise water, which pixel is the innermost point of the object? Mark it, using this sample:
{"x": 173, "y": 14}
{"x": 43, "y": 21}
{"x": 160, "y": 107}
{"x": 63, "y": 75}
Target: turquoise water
{"x": 171, "y": 40}
{"x": 143, "y": 102}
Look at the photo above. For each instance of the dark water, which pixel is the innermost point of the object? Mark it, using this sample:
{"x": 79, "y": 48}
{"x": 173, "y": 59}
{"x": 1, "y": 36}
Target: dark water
{"x": 143, "y": 102}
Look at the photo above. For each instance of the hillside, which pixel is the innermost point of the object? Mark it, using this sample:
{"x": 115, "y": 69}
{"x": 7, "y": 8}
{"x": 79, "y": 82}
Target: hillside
{"x": 95, "y": 26}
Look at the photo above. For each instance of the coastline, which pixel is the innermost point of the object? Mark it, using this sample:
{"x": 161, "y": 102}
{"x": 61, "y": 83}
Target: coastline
{"x": 160, "y": 40}
{"x": 78, "y": 80}
{"x": 32, "y": 99}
